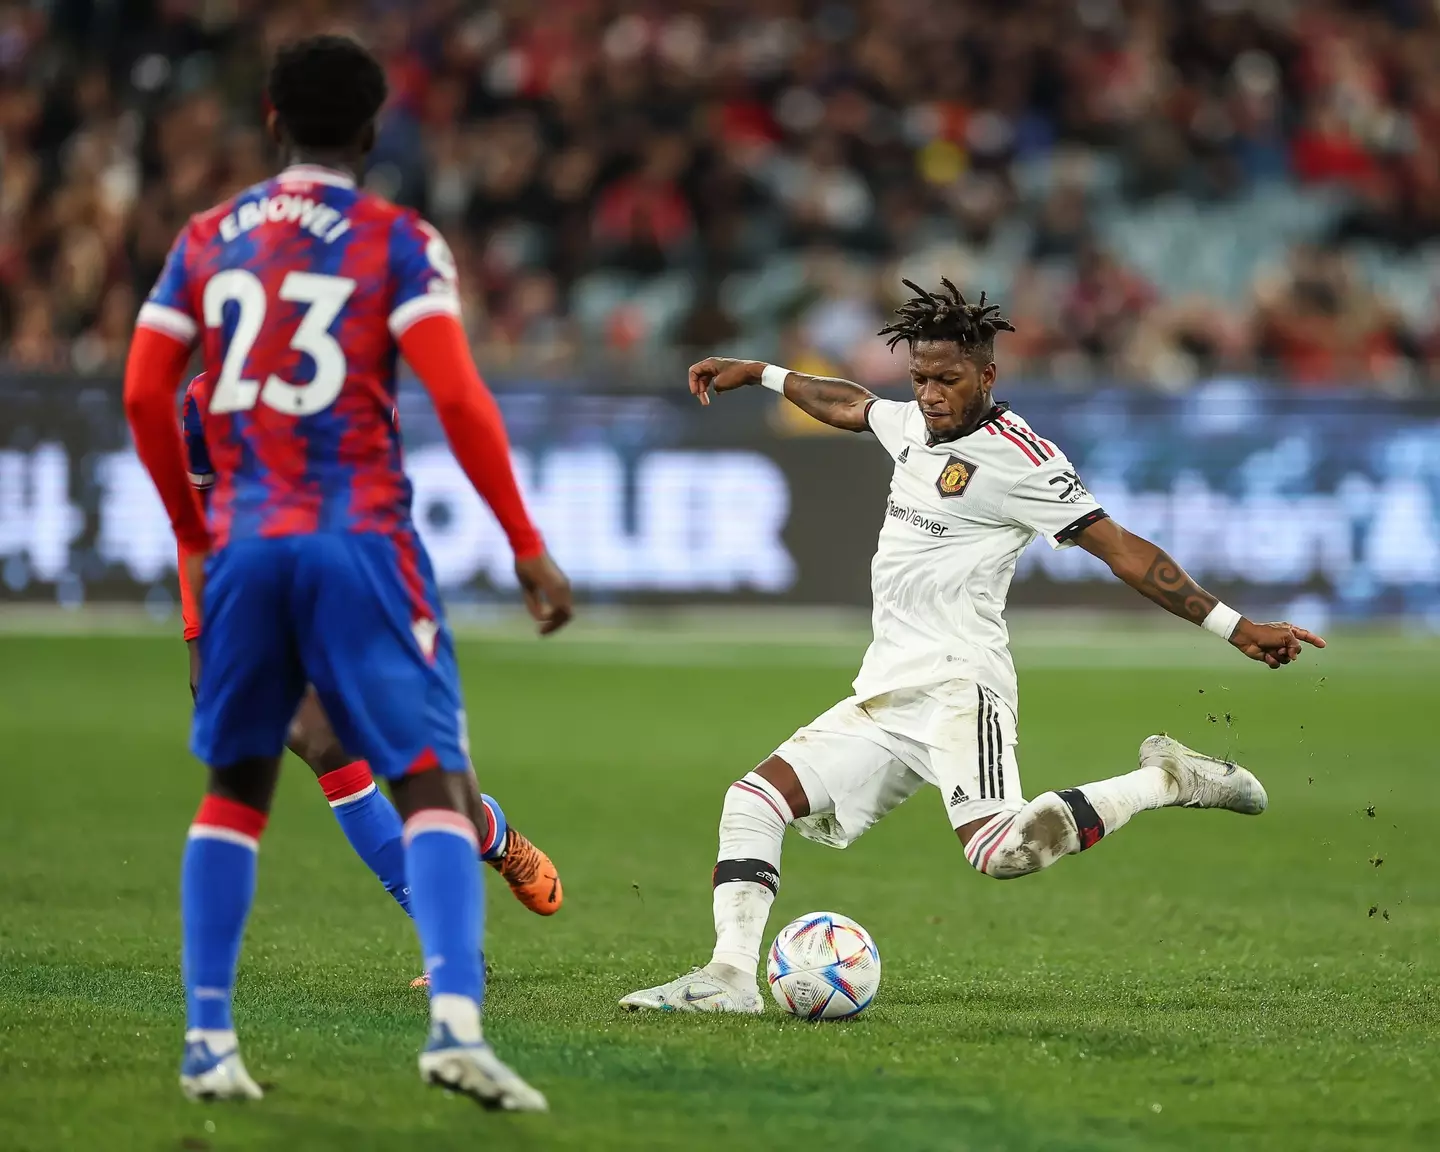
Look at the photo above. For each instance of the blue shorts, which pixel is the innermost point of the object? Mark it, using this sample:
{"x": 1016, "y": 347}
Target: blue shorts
{"x": 357, "y": 616}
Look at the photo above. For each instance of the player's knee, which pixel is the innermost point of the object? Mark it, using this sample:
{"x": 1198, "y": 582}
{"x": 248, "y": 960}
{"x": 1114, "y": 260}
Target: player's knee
{"x": 1017, "y": 843}
{"x": 1000, "y": 848}
{"x": 1011, "y": 861}
{"x": 755, "y": 800}
{"x": 431, "y": 788}
{"x": 780, "y": 776}
{"x": 316, "y": 743}
{"x": 250, "y": 782}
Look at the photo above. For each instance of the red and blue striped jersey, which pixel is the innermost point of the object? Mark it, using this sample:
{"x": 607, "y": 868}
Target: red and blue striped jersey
{"x": 297, "y": 291}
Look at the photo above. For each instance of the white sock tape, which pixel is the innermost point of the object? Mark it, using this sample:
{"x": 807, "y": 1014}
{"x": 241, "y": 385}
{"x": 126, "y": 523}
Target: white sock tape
{"x": 773, "y": 378}
{"x": 1223, "y": 620}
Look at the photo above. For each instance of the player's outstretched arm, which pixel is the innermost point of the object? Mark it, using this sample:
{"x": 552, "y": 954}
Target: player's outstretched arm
{"x": 838, "y": 403}
{"x": 1149, "y": 569}
{"x": 437, "y": 349}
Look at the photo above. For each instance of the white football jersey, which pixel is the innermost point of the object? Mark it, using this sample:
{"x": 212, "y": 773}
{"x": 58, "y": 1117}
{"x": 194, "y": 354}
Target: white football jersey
{"x": 958, "y": 517}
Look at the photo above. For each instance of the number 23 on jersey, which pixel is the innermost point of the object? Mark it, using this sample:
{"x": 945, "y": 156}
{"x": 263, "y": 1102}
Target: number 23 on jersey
{"x": 324, "y": 298}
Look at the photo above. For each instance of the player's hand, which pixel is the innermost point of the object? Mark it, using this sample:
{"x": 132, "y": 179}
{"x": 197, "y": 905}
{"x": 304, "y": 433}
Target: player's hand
{"x": 547, "y": 592}
{"x": 722, "y": 374}
{"x": 195, "y": 576}
{"x": 1275, "y": 644}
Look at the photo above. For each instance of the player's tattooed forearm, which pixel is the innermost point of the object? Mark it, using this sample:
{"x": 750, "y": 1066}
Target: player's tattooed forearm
{"x": 836, "y": 402}
{"x": 829, "y": 390}
{"x": 1171, "y": 587}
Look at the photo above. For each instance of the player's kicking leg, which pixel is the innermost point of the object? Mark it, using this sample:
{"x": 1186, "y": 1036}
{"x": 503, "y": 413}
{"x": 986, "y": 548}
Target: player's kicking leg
{"x": 1010, "y": 844}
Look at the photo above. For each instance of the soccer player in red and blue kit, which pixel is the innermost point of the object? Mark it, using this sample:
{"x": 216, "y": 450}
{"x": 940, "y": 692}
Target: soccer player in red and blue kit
{"x": 365, "y": 814}
{"x": 301, "y": 292}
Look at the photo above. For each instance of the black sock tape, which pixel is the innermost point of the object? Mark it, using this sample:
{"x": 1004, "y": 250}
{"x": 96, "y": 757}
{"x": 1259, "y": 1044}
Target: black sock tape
{"x": 1087, "y": 820}
{"x": 753, "y": 871}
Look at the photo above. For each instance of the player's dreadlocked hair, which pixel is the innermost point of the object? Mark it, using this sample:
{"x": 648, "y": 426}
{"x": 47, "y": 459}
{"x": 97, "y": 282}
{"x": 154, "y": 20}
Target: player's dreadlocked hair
{"x": 946, "y": 316}
{"x": 325, "y": 89}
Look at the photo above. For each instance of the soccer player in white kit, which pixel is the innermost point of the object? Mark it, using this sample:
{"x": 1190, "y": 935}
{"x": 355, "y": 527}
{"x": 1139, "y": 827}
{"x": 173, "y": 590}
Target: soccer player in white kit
{"x": 935, "y": 699}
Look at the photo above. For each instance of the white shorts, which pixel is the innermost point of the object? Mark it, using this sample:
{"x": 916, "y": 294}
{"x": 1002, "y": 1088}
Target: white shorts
{"x": 864, "y": 758}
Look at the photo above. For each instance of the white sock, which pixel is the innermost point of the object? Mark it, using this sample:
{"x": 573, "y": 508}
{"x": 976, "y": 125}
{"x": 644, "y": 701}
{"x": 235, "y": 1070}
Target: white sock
{"x": 1117, "y": 799}
{"x": 218, "y": 1040}
{"x": 460, "y": 1013}
{"x": 747, "y": 875}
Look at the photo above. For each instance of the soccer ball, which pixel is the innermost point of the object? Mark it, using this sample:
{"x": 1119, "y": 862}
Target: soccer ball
{"x": 823, "y": 966}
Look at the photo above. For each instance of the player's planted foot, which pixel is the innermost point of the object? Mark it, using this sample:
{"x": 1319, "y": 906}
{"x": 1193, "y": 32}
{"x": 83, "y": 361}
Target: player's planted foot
{"x": 1203, "y": 781}
{"x": 531, "y": 875}
{"x": 213, "y": 1070}
{"x": 714, "y": 988}
{"x": 475, "y": 1071}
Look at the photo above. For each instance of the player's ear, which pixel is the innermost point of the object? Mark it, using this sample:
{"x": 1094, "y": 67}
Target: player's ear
{"x": 272, "y": 127}
{"x": 987, "y": 375}
{"x": 367, "y": 138}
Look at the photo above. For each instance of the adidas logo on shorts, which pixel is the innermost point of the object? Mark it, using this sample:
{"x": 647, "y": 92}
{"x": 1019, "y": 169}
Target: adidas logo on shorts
{"x": 958, "y": 797}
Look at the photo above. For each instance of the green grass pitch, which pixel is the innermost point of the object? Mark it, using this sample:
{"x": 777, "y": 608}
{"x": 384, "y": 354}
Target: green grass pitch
{"x": 1203, "y": 981}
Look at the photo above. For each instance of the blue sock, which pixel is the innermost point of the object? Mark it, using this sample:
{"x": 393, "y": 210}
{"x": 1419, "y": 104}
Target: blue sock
{"x": 217, "y": 886}
{"x": 494, "y": 846}
{"x": 371, "y": 824}
{"x": 446, "y": 901}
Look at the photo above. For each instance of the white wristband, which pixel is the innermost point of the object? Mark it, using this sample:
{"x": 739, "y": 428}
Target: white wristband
{"x": 773, "y": 378}
{"x": 1223, "y": 620}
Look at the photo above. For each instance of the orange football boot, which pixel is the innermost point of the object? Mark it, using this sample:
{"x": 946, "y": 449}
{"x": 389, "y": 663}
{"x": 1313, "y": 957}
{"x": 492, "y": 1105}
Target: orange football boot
{"x": 531, "y": 875}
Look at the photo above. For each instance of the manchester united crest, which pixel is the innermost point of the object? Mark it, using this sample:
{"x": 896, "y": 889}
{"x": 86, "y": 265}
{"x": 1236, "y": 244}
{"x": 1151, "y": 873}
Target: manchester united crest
{"x": 954, "y": 477}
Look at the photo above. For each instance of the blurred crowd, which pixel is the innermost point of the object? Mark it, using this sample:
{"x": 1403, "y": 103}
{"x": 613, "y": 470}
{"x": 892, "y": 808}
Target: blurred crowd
{"x": 1159, "y": 190}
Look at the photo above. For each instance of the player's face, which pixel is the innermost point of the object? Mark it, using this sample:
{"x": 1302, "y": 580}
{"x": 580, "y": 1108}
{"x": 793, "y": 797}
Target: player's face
{"x": 953, "y": 391}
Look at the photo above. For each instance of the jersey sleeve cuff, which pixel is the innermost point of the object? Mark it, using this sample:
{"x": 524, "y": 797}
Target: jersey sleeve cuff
{"x": 527, "y": 544}
{"x": 1067, "y": 534}
{"x": 167, "y": 321}
{"x": 418, "y": 308}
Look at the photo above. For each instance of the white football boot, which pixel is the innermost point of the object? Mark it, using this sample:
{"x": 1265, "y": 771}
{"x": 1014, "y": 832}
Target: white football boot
{"x": 1203, "y": 781}
{"x": 475, "y": 1071}
{"x": 209, "y": 1075}
{"x": 700, "y": 990}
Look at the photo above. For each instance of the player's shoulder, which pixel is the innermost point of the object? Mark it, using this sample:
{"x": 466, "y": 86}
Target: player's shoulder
{"x": 903, "y": 415}
{"x": 372, "y": 206}
{"x": 1008, "y": 439}
{"x": 390, "y": 218}
{"x": 204, "y": 226}
{"x": 197, "y": 392}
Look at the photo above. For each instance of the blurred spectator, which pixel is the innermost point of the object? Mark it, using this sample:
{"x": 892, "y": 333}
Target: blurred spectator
{"x": 1322, "y": 325}
{"x": 1104, "y": 304}
{"x": 758, "y": 173}
{"x": 643, "y": 221}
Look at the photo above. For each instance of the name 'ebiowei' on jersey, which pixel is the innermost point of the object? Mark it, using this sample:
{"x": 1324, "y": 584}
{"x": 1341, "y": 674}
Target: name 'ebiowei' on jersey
{"x": 298, "y": 289}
